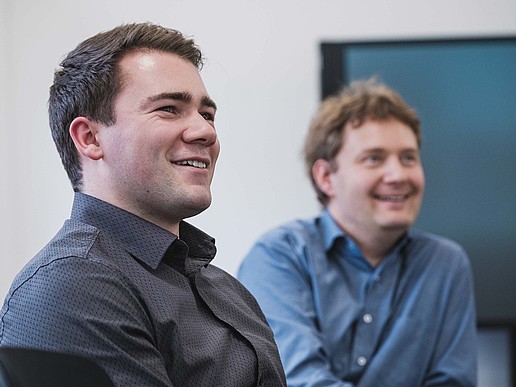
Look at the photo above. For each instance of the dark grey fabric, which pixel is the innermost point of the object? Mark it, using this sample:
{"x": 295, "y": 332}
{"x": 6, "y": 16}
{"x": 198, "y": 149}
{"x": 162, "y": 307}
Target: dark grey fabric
{"x": 22, "y": 367}
{"x": 145, "y": 305}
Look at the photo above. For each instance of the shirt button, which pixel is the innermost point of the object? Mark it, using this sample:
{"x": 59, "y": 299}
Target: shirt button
{"x": 367, "y": 318}
{"x": 377, "y": 278}
{"x": 361, "y": 361}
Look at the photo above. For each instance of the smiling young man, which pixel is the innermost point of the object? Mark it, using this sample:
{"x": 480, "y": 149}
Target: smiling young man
{"x": 126, "y": 282}
{"x": 355, "y": 296}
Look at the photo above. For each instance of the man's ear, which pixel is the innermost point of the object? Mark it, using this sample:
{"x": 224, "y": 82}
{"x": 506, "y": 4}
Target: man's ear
{"x": 321, "y": 172}
{"x": 84, "y": 135}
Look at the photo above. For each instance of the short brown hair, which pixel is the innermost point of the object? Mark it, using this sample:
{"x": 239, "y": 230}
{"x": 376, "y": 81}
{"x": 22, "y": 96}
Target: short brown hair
{"x": 360, "y": 101}
{"x": 89, "y": 80}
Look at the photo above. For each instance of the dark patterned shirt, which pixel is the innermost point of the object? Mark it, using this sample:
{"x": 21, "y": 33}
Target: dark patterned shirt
{"x": 147, "y": 306}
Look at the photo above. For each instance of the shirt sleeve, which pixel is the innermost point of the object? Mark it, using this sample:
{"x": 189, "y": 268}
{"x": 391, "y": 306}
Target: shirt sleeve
{"x": 275, "y": 273}
{"x": 78, "y": 306}
{"x": 455, "y": 360}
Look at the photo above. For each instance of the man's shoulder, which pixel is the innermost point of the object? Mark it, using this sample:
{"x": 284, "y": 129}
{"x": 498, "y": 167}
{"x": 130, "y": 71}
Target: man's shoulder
{"x": 290, "y": 245}
{"x": 428, "y": 239}
{"x": 437, "y": 249}
{"x": 73, "y": 241}
{"x": 297, "y": 232}
{"x": 74, "y": 238}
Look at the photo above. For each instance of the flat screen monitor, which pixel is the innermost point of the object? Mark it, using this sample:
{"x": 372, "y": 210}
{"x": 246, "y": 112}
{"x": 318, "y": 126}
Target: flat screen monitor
{"x": 464, "y": 91}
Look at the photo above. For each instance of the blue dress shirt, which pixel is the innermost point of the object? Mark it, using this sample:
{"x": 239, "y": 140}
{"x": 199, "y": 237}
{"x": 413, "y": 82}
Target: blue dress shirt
{"x": 338, "y": 321}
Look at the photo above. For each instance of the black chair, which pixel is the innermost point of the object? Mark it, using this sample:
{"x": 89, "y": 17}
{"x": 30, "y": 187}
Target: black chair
{"x": 23, "y": 367}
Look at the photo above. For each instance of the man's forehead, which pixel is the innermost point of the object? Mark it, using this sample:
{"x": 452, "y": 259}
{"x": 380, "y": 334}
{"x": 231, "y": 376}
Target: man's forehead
{"x": 377, "y": 134}
{"x": 157, "y": 75}
{"x": 392, "y": 121}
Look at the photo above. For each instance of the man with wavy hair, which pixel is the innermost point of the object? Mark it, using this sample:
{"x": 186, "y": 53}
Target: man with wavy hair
{"x": 356, "y": 296}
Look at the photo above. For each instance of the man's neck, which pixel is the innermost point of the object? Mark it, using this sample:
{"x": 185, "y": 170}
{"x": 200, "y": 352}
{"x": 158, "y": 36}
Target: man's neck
{"x": 375, "y": 246}
{"x": 157, "y": 219}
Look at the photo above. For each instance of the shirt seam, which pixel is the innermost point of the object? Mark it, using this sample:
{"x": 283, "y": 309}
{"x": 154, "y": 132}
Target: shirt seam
{"x": 13, "y": 292}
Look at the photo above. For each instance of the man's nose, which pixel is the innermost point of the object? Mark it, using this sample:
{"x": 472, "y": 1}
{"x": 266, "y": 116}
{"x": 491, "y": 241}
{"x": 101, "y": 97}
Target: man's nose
{"x": 200, "y": 131}
{"x": 394, "y": 171}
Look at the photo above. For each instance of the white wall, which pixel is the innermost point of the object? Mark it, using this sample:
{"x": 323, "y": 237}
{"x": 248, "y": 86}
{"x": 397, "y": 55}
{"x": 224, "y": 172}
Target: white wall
{"x": 262, "y": 69}
{"x": 6, "y": 263}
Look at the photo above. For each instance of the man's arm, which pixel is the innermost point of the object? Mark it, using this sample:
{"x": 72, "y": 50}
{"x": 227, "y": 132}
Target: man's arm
{"x": 77, "y": 306}
{"x": 280, "y": 281}
{"x": 455, "y": 360}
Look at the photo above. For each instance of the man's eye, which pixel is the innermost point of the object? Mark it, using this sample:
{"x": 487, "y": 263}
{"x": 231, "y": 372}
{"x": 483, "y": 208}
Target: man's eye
{"x": 409, "y": 159}
{"x": 169, "y": 109}
{"x": 208, "y": 116}
{"x": 372, "y": 159}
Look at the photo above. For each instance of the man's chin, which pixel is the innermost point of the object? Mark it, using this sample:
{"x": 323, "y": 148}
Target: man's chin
{"x": 397, "y": 225}
{"x": 196, "y": 207}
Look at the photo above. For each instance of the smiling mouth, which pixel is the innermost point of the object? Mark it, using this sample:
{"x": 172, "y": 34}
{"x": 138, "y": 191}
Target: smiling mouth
{"x": 193, "y": 163}
{"x": 391, "y": 198}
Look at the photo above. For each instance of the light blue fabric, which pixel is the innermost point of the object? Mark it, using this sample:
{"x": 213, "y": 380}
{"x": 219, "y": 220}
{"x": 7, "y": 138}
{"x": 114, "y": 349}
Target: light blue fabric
{"x": 340, "y": 322}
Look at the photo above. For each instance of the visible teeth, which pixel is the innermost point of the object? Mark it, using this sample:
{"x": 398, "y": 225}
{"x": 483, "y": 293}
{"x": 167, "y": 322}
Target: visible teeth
{"x": 193, "y": 163}
{"x": 395, "y": 198}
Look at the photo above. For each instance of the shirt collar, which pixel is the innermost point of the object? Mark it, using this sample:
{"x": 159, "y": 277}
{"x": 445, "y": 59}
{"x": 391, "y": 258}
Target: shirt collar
{"x": 332, "y": 234}
{"x": 330, "y": 231}
{"x": 144, "y": 240}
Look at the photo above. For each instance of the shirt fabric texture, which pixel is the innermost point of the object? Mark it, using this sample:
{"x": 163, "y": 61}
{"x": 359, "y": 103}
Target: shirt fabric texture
{"x": 338, "y": 321}
{"x": 145, "y": 305}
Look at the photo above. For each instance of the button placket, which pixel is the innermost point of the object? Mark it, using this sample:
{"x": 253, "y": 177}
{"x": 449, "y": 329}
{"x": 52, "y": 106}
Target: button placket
{"x": 365, "y": 334}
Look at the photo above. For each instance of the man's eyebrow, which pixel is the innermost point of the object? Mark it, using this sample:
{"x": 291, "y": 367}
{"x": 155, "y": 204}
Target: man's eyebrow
{"x": 208, "y": 102}
{"x": 373, "y": 150}
{"x": 379, "y": 149}
{"x": 181, "y": 96}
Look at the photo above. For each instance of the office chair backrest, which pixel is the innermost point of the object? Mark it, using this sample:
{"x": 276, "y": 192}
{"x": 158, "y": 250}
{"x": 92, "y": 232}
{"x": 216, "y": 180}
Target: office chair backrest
{"x": 23, "y": 367}
{"x": 5, "y": 380}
